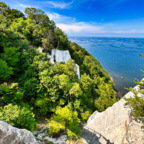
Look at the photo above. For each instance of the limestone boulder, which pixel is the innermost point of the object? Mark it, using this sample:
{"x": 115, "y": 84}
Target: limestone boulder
{"x": 12, "y": 135}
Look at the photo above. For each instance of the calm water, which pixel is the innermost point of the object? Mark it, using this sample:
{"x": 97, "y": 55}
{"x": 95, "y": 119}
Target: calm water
{"x": 119, "y": 56}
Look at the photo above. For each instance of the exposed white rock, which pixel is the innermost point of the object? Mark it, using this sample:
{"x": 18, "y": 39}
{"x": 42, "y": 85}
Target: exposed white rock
{"x": 113, "y": 126}
{"x": 42, "y": 136}
{"x": 61, "y": 140}
{"x": 61, "y": 56}
{"x": 40, "y": 49}
{"x": 12, "y": 135}
{"x": 78, "y": 71}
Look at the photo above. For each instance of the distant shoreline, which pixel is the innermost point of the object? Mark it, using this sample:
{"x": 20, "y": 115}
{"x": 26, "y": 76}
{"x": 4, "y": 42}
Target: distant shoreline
{"x": 112, "y": 79}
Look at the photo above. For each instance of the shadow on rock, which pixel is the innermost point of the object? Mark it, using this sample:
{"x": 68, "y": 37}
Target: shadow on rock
{"x": 93, "y": 137}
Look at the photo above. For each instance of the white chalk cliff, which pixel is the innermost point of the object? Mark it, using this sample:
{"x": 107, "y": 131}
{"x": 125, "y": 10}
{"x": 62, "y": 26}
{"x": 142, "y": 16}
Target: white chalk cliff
{"x": 60, "y": 56}
{"x": 113, "y": 126}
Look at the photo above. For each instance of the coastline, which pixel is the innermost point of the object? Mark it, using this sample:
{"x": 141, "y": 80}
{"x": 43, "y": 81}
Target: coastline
{"x": 112, "y": 79}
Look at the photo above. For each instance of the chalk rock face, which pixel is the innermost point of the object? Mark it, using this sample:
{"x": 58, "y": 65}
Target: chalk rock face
{"x": 40, "y": 49}
{"x": 12, "y": 135}
{"x": 113, "y": 126}
{"x": 61, "y": 56}
{"x": 78, "y": 71}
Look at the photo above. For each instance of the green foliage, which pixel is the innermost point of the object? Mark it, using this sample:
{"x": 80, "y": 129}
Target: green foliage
{"x": 5, "y": 71}
{"x": 31, "y": 87}
{"x": 11, "y": 56}
{"x": 56, "y": 127}
{"x": 73, "y": 131}
{"x": 65, "y": 119}
{"x": 10, "y": 13}
{"x": 10, "y": 94}
{"x": 38, "y": 16}
{"x": 85, "y": 115}
{"x": 17, "y": 13}
{"x": 107, "y": 97}
{"x": 21, "y": 117}
{"x": 49, "y": 89}
{"x": 136, "y": 103}
{"x": 75, "y": 91}
{"x": 98, "y": 90}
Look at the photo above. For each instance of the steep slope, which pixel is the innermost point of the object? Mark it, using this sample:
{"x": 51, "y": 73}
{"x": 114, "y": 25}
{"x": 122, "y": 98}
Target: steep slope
{"x": 114, "y": 125}
{"x": 31, "y": 84}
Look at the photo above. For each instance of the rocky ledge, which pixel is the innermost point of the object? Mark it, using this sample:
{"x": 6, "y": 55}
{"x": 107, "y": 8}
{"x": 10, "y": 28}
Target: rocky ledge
{"x": 113, "y": 126}
{"x": 12, "y": 135}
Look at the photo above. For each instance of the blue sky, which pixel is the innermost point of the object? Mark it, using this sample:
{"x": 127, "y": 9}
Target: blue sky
{"x": 110, "y": 18}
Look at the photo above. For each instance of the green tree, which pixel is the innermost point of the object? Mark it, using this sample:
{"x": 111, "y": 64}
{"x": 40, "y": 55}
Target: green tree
{"x": 136, "y": 103}
{"x": 10, "y": 94}
{"x": 5, "y": 71}
{"x": 21, "y": 117}
{"x": 31, "y": 87}
{"x": 65, "y": 119}
{"x": 75, "y": 91}
{"x": 3, "y": 7}
{"x": 11, "y": 56}
{"x": 38, "y": 16}
{"x": 17, "y": 14}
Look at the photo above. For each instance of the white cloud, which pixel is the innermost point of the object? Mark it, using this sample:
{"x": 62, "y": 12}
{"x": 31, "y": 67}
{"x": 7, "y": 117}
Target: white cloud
{"x": 57, "y": 17}
{"x": 80, "y": 27}
{"x": 129, "y": 32}
{"x": 60, "y": 18}
{"x": 23, "y": 5}
{"x": 60, "y": 5}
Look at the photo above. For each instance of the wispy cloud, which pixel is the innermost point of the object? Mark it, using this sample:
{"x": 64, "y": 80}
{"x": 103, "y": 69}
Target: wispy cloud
{"x": 23, "y": 5}
{"x": 58, "y": 4}
{"x": 129, "y": 32}
{"x": 80, "y": 27}
{"x": 60, "y": 18}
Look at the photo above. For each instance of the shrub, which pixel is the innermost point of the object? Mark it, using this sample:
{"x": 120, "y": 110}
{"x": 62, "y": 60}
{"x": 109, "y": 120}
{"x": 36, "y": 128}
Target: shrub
{"x": 56, "y": 127}
{"x": 10, "y": 94}
{"x": 73, "y": 131}
{"x": 65, "y": 119}
{"x": 5, "y": 71}
{"x": 21, "y": 117}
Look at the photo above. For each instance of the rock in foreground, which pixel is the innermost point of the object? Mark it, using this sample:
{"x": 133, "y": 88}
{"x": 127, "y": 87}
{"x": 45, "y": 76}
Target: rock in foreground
{"x": 12, "y": 135}
{"x": 113, "y": 126}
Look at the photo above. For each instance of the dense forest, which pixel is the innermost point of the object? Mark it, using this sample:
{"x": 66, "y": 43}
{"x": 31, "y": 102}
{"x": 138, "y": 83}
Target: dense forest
{"x": 31, "y": 88}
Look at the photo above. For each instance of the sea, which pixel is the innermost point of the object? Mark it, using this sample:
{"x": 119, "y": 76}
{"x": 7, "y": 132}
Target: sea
{"x": 118, "y": 56}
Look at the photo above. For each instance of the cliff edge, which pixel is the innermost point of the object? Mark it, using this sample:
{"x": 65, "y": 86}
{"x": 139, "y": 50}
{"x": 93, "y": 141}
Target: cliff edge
{"x": 113, "y": 126}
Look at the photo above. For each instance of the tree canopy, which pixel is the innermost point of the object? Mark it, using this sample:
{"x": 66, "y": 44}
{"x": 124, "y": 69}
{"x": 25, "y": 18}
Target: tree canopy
{"x": 30, "y": 84}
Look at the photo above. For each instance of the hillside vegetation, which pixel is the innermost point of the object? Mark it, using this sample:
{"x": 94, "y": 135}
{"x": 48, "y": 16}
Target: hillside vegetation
{"x": 31, "y": 88}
